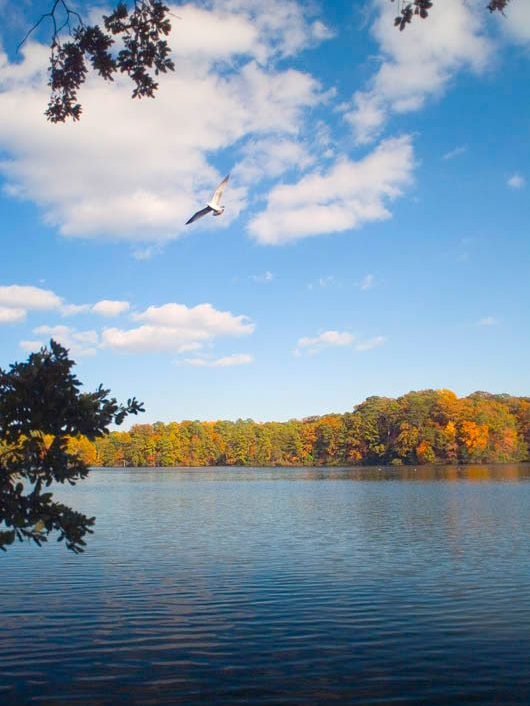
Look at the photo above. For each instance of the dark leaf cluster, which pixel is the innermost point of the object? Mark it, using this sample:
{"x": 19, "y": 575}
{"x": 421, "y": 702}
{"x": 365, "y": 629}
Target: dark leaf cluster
{"x": 498, "y": 6}
{"x": 131, "y": 42}
{"x": 410, "y": 9}
{"x": 420, "y": 8}
{"x": 41, "y": 408}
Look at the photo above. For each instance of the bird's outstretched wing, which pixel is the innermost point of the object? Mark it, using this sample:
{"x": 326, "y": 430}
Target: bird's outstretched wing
{"x": 199, "y": 214}
{"x": 216, "y": 198}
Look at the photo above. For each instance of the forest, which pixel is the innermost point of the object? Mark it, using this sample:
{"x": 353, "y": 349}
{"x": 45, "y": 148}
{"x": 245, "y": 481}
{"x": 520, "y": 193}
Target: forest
{"x": 424, "y": 427}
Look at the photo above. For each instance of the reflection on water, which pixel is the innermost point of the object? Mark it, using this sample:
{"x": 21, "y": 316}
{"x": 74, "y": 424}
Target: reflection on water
{"x": 499, "y": 473}
{"x": 278, "y": 586}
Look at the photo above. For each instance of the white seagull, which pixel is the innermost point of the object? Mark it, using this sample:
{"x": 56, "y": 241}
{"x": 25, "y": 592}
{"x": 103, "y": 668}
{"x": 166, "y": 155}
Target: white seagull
{"x": 213, "y": 204}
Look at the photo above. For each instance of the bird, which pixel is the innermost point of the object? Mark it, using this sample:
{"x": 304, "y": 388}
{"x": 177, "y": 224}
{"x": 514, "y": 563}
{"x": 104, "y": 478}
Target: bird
{"x": 213, "y": 205}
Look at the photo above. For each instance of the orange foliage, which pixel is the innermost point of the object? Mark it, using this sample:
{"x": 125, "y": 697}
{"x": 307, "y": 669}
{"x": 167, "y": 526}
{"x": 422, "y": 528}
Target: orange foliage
{"x": 475, "y": 438}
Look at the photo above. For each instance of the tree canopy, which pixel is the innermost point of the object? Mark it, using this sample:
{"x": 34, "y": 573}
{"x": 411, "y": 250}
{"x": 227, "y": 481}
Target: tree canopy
{"x": 423, "y": 427}
{"x": 41, "y": 410}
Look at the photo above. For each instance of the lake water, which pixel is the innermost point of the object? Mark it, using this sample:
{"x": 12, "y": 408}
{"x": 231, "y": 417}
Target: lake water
{"x": 278, "y": 586}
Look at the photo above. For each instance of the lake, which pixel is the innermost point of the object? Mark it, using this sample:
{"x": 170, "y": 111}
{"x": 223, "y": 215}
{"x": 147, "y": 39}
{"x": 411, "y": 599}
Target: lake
{"x": 278, "y": 586}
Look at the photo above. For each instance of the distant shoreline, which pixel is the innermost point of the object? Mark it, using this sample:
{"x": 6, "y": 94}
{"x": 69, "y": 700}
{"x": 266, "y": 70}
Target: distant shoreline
{"x": 416, "y": 429}
{"x": 392, "y": 467}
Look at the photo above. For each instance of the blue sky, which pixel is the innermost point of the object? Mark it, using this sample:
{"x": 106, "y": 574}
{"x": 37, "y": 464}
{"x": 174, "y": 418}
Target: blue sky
{"x": 375, "y": 238}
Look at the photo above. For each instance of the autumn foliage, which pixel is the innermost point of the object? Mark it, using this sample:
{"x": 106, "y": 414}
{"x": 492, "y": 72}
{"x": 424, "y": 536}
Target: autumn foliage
{"x": 430, "y": 426}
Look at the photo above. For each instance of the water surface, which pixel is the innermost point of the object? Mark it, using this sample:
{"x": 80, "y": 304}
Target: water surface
{"x": 278, "y": 586}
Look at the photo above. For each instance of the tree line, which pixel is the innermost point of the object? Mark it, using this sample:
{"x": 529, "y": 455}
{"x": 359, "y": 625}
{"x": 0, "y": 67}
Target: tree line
{"x": 429, "y": 426}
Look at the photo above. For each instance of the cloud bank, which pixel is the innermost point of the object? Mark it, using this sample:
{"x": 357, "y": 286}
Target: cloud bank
{"x": 350, "y": 194}
{"x": 137, "y": 179}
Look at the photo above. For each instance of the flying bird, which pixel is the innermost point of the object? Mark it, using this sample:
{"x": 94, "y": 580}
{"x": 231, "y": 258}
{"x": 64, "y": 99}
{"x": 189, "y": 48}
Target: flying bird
{"x": 213, "y": 205}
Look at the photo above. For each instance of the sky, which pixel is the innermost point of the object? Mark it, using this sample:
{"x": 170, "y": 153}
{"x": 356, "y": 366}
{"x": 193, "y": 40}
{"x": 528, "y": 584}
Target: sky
{"x": 376, "y": 232}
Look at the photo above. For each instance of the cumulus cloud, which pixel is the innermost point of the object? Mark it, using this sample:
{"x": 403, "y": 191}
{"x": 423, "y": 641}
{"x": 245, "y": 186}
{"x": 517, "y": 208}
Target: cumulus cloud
{"x": 349, "y": 195}
{"x": 285, "y": 27}
{"x": 31, "y": 346}
{"x": 418, "y": 63}
{"x": 110, "y": 307}
{"x": 10, "y": 315}
{"x": 226, "y": 362}
{"x": 271, "y": 157}
{"x": 28, "y": 298}
{"x": 17, "y": 300}
{"x": 171, "y": 327}
{"x": 176, "y": 327}
{"x": 334, "y": 339}
{"x": 141, "y": 181}
{"x": 106, "y": 307}
{"x": 203, "y": 317}
{"x": 79, "y": 343}
{"x": 213, "y": 34}
{"x": 326, "y": 339}
{"x": 517, "y": 22}
{"x": 516, "y": 181}
{"x": 74, "y": 309}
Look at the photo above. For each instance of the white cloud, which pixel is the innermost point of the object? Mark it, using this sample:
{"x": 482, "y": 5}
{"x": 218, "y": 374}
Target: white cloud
{"x": 203, "y": 317}
{"x": 456, "y": 152}
{"x": 176, "y": 327}
{"x": 370, "y": 343}
{"x": 367, "y": 283}
{"x": 285, "y": 27}
{"x": 333, "y": 339}
{"x": 227, "y": 361}
{"x": 104, "y": 185}
{"x": 170, "y": 327}
{"x": 367, "y": 117}
{"x": 271, "y": 157}
{"x": 31, "y": 346}
{"x": 516, "y": 181}
{"x": 419, "y": 62}
{"x": 517, "y": 21}
{"x": 79, "y": 343}
{"x": 16, "y": 300}
{"x": 74, "y": 309}
{"x": 150, "y": 339}
{"x": 28, "y": 298}
{"x": 110, "y": 307}
{"x": 487, "y": 321}
{"x": 265, "y": 278}
{"x": 323, "y": 282}
{"x": 105, "y": 307}
{"x": 146, "y": 253}
{"x": 326, "y": 339}
{"x": 347, "y": 196}
{"x": 11, "y": 315}
{"x": 213, "y": 34}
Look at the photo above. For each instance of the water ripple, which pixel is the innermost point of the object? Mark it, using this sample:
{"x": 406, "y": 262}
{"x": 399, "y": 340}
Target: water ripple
{"x": 289, "y": 587}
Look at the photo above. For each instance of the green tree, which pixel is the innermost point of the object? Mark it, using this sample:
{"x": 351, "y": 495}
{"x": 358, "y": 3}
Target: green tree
{"x": 41, "y": 409}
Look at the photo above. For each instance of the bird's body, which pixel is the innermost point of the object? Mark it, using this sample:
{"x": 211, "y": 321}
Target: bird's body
{"x": 213, "y": 206}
